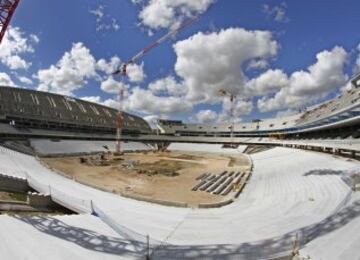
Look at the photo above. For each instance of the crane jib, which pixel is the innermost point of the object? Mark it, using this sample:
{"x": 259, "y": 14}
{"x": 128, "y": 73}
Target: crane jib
{"x": 160, "y": 40}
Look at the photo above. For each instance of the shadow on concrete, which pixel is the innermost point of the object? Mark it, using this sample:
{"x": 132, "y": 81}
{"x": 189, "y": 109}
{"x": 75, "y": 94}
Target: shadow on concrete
{"x": 264, "y": 249}
{"x": 348, "y": 176}
{"x": 85, "y": 238}
{"x": 321, "y": 172}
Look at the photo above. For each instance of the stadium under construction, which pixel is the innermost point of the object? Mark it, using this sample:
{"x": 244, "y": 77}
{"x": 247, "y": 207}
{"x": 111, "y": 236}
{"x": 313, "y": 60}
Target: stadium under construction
{"x": 81, "y": 180}
{"x": 287, "y": 186}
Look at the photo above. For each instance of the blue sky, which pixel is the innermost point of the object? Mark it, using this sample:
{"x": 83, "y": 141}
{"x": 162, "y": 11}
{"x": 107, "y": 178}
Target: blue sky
{"x": 299, "y": 34}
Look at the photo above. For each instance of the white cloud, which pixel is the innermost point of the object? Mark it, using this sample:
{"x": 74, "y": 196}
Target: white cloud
{"x": 267, "y": 82}
{"x": 210, "y": 62}
{"x": 278, "y": 12}
{"x": 241, "y": 107}
{"x": 110, "y": 66}
{"x": 77, "y": 66}
{"x": 136, "y": 2}
{"x": 308, "y": 86}
{"x": 135, "y": 72}
{"x": 168, "y": 86}
{"x": 5, "y": 80}
{"x": 114, "y": 24}
{"x": 15, "y": 44}
{"x": 141, "y": 100}
{"x": 34, "y": 38}
{"x": 25, "y": 80}
{"x": 205, "y": 63}
{"x": 97, "y": 99}
{"x": 98, "y": 12}
{"x": 110, "y": 86}
{"x": 145, "y": 101}
{"x": 287, "y": 112}
{"x": 258, "y": 64}
{"x": 111, "y": 103}
{"x": 158, "y": 14}
{"x": 357, "y": 64}
{"x": 93, "y": 99}
{"x": 206, "y": 116}
{"x": 70, "y": 73}
{"x": 103, "y": 21}
{"x": 15, "y": 62}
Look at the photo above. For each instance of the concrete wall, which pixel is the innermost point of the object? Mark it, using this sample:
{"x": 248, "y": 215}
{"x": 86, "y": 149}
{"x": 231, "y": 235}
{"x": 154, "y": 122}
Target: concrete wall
{"x": 13, "y": 184}
{"x": 38, "y": 200}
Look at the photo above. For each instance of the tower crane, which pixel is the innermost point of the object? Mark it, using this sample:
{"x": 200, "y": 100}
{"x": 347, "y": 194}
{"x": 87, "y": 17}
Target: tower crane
{"x": 7, "y": 9}
{"x": 232, "y": 99}
{"x": 123, "y": 72}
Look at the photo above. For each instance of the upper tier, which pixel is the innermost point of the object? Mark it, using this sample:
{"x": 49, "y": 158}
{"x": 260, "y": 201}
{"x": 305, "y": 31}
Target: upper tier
{"x": 30, "y": 108}
{"x": 343, "y": 110}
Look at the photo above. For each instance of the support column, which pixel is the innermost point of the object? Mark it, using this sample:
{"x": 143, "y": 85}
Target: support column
{"x": 353, "y": 154}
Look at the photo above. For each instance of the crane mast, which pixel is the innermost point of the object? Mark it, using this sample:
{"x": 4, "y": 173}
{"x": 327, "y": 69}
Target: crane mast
{"x": 7, "y": 9}
{"x": 122, "y": 71}
{"x": 232, "y": 99}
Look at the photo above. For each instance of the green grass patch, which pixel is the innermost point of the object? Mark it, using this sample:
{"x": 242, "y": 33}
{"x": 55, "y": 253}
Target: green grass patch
{"x": 18, "y": 196}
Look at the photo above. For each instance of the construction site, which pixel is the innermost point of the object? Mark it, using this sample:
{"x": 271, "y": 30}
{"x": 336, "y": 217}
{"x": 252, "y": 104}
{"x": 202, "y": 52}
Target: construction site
{"x": 181, "y": 178}
{"x": 172, "y": 130}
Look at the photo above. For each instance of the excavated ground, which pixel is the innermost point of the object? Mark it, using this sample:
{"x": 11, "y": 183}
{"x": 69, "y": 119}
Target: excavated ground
{"x": 167, "y": 176}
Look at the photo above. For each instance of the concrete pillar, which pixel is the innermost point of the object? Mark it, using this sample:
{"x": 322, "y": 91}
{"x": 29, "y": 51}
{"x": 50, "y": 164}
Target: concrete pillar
{"x": 38, "y": 200}
{"x": 353, "y": 154}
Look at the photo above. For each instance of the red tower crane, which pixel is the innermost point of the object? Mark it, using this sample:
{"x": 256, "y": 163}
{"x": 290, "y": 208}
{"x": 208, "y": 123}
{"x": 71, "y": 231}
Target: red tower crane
{"x": 7, "y": 9}
{"x": 122, "y": 71}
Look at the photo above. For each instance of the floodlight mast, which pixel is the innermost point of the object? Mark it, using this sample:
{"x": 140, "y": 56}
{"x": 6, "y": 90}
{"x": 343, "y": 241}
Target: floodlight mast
{"x": 123, "y": 73}
{"x": 7, "y": 9}
{"x": 232, "y": 99}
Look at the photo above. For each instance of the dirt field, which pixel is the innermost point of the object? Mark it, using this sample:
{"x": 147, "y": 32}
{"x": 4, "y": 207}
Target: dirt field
{"x": 163, "y": 175}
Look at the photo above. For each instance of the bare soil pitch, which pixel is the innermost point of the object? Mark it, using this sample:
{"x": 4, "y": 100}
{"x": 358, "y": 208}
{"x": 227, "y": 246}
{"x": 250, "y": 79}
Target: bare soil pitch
{"x": 152, "y": 174}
